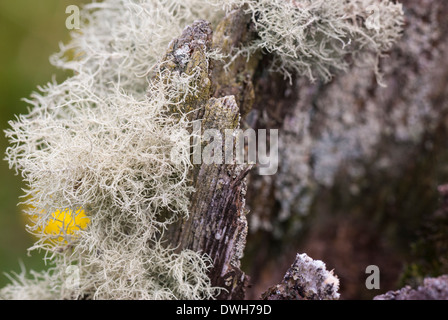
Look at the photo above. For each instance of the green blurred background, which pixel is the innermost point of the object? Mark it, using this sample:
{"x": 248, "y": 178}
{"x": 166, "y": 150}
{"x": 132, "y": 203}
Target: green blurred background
{"x": 30, "y": 31}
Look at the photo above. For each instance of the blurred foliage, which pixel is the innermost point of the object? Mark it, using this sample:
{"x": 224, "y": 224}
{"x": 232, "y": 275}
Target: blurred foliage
{"x": 30, "y": 31}
{"x": 430, "y": 250}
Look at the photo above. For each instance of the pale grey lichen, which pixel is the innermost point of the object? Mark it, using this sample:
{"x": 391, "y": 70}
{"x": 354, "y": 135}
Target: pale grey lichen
{"x": 110, "y": 154}
{"x": 102, "y": 139}
{"x": 315, "y": 38}
{"x": 306, "y": 279}
{"x": 41, "y": 286}
{"x": 313, "y": 278}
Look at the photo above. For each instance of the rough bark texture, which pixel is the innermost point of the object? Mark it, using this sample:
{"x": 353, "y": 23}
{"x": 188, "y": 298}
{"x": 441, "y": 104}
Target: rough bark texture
{"x": 432, "y": 289}
{"x": 358, "y": 162}
{"x": 217, "y": 224}
{"x": 306, "y": 279}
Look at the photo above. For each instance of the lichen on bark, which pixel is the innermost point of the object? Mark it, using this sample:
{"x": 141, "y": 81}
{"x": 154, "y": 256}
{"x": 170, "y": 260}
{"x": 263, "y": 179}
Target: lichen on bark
{"x": 143, "y": 211}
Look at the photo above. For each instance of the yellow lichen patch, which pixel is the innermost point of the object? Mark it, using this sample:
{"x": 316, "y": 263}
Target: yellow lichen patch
{"x": 62, "y": 223}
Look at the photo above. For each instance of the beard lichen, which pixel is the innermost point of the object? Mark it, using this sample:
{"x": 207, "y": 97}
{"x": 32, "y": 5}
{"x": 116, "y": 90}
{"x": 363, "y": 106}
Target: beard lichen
{"x": 102, "y": 139}
{"x": 320, "y": 37}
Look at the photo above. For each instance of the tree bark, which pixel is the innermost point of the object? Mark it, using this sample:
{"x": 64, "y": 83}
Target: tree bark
{"x": 385, "y": 148}
{"x": 432, "y": 289}
{"x": 217, "y": 224}
{"x": 358, "y": 164}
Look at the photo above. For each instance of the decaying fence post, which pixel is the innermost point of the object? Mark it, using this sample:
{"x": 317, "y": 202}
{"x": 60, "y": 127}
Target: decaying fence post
{"x": 217, "y": 223}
